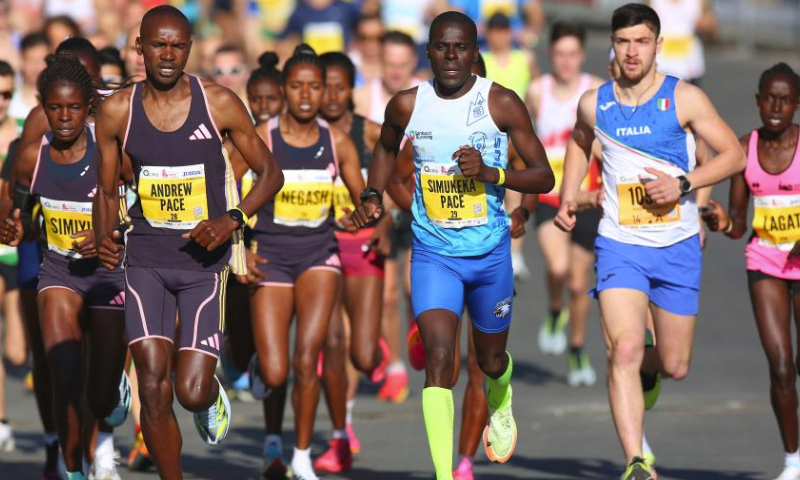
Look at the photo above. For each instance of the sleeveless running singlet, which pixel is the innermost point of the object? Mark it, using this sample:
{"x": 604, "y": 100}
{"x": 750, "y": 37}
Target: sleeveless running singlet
{"x": 453, "y": 215}
{"x": 182, "y": 178}
{"x": 635, "y": 138}
{"x": 304, "y": 206}
{"x": 776, "y": 218}
{"x": 341, "y": 196}
{"x": 681, "y": 51}
{"x": 554, "y": 123}
{"x": 65, "y": 194}
{"x": 515, "y": 76}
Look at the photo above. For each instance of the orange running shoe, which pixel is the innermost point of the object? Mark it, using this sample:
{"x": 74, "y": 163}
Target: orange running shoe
{"x": 416, "y": 351}
{"x": 355, "y": 443}
{"x": 139, "y": 458}
{"x": 337, "y": 458}
{"x": 395, "y": 388}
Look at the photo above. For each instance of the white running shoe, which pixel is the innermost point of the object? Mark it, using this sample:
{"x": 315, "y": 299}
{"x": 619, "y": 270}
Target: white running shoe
{"x": 552, "y": 338}
{"x": 6, "y": 438}
{"x": 519, "y": 267}
{"x": 789, "y": 473}
{"x": 302, "y": 469}
{"x": 213, "y": 423}
{"x": 104, "y": 468}
{"x": 500, "y": 435}
{"x": 258, "y": 388}
{"x": 580, "y": 370}
{"x": 120, "y": 412}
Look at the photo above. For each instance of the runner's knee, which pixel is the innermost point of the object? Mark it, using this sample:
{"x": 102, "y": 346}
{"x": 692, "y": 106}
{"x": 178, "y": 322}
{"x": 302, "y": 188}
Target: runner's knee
{"x": 273, "y": 373}
{"x": 782, "y": 373}
{"x": 305, "y": 366}
{"x": 195, "y": 392}
{"x": 493, "y": 364}
{"x": 627, "y": 353}
{"x": 675, "y": 368}
{"x": 364, "y": 357}
{"x": 439, "y": 364}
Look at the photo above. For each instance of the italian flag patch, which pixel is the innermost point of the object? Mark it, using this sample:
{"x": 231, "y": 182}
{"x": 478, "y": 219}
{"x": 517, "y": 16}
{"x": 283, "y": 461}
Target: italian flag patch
{"x": 663, "y": 104}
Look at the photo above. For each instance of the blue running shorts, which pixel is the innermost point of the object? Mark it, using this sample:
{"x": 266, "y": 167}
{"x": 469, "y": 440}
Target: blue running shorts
{"x": 670, "y": 276}
{"x": 486, "y": 282}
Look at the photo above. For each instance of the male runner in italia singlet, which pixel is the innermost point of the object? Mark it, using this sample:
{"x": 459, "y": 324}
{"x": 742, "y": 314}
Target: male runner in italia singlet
{"x": 459, "y": 126}
{"x": 648, "y": 245}
{"x": 185, "y": 224}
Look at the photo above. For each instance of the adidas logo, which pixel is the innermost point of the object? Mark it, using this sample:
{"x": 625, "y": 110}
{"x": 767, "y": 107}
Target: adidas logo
{"x": 212, "y": 341}
{"x": 201, "y": 133}
{"x": 119, "y": 299}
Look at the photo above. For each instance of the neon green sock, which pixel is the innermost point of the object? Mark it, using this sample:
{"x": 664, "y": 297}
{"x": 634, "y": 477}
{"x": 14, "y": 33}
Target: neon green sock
{"x": 498, "y": 388}
{"x": 75, "y": 476}
{"x": 437, "y": 408}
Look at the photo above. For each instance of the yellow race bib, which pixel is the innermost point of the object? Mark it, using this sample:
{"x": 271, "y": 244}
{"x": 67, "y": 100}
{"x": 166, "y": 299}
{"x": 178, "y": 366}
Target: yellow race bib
{"x": 677, "y": 47}
{"x": 62, "y": 220}
{"x": 776, "y": 221}
{"x": 324, "y": 37}
{"x": 305, "y": 199}
{"x": 451, "y": 200}
{"x": 341, "y": 196}
{"x": 173, "y": 197}
{"x": 638, "y": 211}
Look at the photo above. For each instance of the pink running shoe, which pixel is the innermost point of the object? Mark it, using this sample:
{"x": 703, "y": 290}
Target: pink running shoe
{"x": 378, "y": 374}
{"x": 355, "y": 443}
{"x": 464, "y": 470}
{"x": 337, "y": 458}
{"x": 416, "y": 351}
{"x": 395, "y": 388}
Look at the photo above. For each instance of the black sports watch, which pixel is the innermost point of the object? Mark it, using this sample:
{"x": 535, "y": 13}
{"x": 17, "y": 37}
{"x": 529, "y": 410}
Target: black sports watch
{"x": 237, "y": 215}
{"x": 370, "y": 192}
{"x": 685, "y": 185}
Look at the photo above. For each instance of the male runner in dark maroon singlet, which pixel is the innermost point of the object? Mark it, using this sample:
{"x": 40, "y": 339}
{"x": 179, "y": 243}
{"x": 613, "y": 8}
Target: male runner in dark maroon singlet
{"x": 178, "y": 249}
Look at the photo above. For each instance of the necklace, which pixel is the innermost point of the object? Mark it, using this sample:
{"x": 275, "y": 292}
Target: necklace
{"x": 619, "y": 97}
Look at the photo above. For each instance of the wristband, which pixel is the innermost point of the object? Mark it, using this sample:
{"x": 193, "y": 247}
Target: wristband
{"x": 729, "y": 228}
{"x": 502, "y": 179}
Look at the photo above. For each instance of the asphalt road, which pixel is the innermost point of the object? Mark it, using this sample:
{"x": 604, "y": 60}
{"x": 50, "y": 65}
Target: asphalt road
{"x": 715, "y": 425}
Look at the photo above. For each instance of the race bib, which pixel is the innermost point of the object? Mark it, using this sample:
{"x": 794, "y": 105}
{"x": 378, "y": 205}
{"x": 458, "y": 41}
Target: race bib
{"x": 451, "y": 200}
{"x": 341, "y": 196}
{"x": 305, "y": 199}
{"x": 173, "y": 197}
{"x": 637, "y": 211}
{"x": 62, "y": 220}
{"x": 677, "y": 47}
{"x": 776, "y": 221}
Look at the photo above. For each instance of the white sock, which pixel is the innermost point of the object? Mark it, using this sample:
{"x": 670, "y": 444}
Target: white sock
{"x": 50, "y": 438}
{"x": 301, "y": 456}
{"x": 105, "y": 444}
{"x": 339, "y": 434}
{"x": 792, "y": 460}
{"x": 397, "y": 366}
{"x": 645, "y": 446}
{"x": 349, "y": 417}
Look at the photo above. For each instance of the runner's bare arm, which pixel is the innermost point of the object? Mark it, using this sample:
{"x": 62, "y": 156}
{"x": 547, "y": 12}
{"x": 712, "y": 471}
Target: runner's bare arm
{"x": 12, "y": 229}
{"x": 739, "y": 199}
{"x": 35, "y": 126}
{"x": 401, "y": 182}
{"x": 349, "y": 167}
{"x": 696, "y": 111}
{"x": 110, "y": 128}
{"x": 511, "y": 116}
{"x": 232, "y": 119}
{"x": 579, "y": 148}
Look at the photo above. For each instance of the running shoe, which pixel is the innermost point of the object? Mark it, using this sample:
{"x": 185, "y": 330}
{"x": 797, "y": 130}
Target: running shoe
{"x": 580, "y": 370}
{"x": 53, "y": 454}
{"x": 29, "y": 381}
{"x": 258, "y": 389}
{"x": 651, "y": 389}
{"x": 637, "y": 470}
{"x": 650, "y": 461}
{"x": 464, "y": 470}
{"x": 519, "y": 267}
{"x": 302, "y": 470}
{"x": 395, "y": 387}
{"x": 139, "y": 458}
{"x": 789, "y": 473}
{"x": 337, "y": 458}
{"x": 552, "y": 339}
{"x": 355, "y": 443}
{"x": 416, "y": 350}
{"x": 213, "y": 422}
{"x": 6, "y": 438}
{"x": 500, "y": 435}
{"x": 378, "y": 374}
{"x": 240, "y": 389}
{"x": 120, "y": 412}
{"x": 274, "y": 466}
{"x": 104, "y": 468}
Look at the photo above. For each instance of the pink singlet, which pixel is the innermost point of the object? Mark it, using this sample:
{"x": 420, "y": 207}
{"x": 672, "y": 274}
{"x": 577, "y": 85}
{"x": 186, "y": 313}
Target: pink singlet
{"x": 776, "y": 219}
